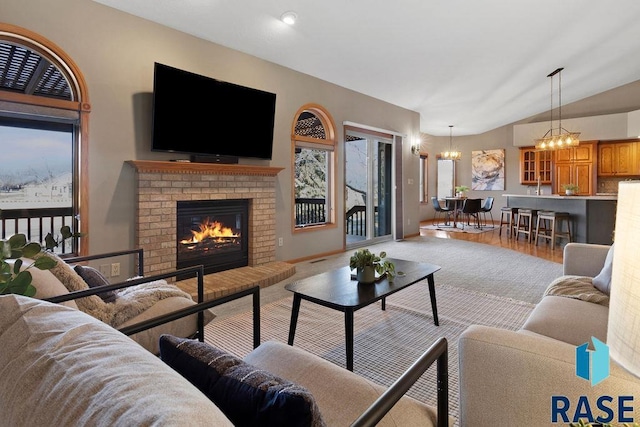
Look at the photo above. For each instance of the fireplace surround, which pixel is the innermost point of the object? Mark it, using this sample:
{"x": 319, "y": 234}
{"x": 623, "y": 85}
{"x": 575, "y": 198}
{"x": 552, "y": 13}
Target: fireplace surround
{"x": 161, "y": 185}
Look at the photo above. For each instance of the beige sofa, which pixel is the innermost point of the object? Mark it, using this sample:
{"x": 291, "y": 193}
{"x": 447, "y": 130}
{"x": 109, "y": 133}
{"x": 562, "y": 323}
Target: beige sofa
{"x": 509, "y": 378}
{"x": 62, "y": 367}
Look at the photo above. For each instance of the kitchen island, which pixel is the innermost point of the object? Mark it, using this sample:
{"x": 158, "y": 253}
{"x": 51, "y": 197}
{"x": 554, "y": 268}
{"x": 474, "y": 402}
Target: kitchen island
{"x": 592, "y": 217}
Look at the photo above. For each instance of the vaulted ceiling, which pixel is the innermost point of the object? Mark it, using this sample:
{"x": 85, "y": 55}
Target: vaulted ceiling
{"x": 474, "y": 64}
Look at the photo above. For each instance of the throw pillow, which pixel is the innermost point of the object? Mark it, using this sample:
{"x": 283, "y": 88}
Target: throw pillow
{"x": 248, "y": 396}
{"x": 602, "y": 281}
{"x": 92, "y": 304}
{"x": 95, "y": 279}
{"x": 46, "y": 284}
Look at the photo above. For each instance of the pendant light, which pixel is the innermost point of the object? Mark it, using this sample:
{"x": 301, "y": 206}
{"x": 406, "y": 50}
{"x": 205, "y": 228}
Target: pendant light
{"x": 563, "y": 138}
{"x": 451, "y": 154}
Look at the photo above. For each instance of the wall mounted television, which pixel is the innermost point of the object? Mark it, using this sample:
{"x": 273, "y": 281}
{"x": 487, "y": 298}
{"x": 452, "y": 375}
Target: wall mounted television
{"x": 210, "y": 119}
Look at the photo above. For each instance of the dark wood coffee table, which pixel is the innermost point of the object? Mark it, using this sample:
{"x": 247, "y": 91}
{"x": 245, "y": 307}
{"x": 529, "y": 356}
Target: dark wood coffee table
{"x": 335, "y": 289}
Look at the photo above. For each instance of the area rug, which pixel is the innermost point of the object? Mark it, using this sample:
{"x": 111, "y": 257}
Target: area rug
{"x": 470, "y": 265}
{"x": 386, "y": 342}
{"x": 467, "y": 229}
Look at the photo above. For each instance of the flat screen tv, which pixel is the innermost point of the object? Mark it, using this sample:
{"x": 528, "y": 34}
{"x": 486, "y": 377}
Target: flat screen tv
{"x": 208, "y": 118}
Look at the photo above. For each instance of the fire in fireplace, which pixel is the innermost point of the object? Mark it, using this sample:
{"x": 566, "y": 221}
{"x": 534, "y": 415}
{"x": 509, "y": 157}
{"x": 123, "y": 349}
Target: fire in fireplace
{"x": 213, "y": 233}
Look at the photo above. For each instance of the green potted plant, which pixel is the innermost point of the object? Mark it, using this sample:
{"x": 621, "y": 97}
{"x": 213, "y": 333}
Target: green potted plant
{"x": 14, "y": 279}
{"x": 570, "y": 189}
{"x": 461, "y": 190}
{"x": 367, "y": 264}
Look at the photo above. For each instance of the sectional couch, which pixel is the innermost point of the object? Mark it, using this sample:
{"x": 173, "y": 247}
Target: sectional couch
{"x": 511, "y": 378}
{"x": 60, "y": 366}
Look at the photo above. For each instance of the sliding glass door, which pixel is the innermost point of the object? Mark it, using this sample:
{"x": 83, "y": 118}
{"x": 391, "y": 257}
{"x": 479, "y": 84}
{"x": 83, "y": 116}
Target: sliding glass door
{"x": 368, "y": 188}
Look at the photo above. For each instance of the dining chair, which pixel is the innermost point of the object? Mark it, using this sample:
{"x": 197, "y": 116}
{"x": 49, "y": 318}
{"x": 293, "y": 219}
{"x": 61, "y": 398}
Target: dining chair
{"x": 445, "y": 211}
{"x": 472, "y": 208}
{"x": 486, "y": 208}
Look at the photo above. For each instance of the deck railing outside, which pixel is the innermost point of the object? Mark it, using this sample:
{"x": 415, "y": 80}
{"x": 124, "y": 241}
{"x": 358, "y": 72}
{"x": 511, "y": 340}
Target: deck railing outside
{"x": 313, "y": 211}
{"x": 310, "y": 211}
{"x": 37, "y": 223}
{"x": 356, "y": 220}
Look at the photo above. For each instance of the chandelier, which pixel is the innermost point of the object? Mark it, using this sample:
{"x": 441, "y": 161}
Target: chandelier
{"x": 451, "y": 154}
{"x": 563, "y": 138}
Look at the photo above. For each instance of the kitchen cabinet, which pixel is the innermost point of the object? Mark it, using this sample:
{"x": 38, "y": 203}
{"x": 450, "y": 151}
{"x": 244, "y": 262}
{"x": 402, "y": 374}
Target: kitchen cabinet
{"x": 576, "y": 165}
{"x": 534, "y": 164}
{"x": 585, "y": 152}
{"x": 619, "y": 158}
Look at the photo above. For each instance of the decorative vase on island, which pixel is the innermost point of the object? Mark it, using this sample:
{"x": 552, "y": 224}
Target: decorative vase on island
{"x": 366, "y": 274}
{"x": 569, "y": 192}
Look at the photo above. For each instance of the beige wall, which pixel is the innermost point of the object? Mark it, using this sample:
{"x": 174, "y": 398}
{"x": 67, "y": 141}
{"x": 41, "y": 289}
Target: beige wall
{"x": 116, "y": 51}
{"x": 498, "y": 138}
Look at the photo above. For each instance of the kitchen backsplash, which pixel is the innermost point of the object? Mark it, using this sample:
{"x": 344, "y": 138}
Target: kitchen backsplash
{"x": 609, "y": 185}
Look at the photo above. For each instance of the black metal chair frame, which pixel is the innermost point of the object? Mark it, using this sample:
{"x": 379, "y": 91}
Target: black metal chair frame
{"x": 199, "y": 307}
{"x": 438, "y": 352}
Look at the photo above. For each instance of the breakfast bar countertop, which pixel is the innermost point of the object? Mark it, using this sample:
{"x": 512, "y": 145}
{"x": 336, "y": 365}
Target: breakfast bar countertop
{"x": 602, "y": 196}
{"x": 592, "y": 217}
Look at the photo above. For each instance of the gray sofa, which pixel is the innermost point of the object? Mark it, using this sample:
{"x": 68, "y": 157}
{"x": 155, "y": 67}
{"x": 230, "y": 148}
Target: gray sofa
{"x": 60, "y": 366}
{"x": 508, "y": 378}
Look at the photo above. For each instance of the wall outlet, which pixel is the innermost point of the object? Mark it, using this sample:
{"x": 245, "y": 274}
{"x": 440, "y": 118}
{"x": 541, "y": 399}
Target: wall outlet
{"x": 105, "y": 270}
{"x": 115, "y": 269}
{"x": 280, "y": 241}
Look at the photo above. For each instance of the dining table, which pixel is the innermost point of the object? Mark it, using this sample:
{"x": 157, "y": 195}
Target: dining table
{"x": 457, "y": 203}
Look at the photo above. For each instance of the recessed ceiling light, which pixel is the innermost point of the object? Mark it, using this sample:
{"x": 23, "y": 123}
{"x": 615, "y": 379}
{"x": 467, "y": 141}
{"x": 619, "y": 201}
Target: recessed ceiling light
{"x": 289, "y": 18}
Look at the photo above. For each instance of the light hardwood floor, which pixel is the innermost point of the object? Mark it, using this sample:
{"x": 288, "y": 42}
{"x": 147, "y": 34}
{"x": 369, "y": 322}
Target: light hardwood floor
{"x": 542, "y": 250}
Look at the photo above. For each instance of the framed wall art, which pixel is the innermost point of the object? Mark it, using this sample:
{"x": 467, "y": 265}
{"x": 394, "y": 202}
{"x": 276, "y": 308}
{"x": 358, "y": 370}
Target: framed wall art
{"x": 487, "y": 170}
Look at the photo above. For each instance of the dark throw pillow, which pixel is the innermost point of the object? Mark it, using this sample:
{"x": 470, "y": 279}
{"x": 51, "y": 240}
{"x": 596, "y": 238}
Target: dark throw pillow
{"x": 94, "y": 279}
{"x": 247, "y": 395}
{"x": 602, "y": 281}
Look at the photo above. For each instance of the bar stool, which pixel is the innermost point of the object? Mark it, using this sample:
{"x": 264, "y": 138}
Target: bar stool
{"x": 508, "y": 216}
{"x": 550, "y": 224}
{"x": 525, "y": 219}
{"x": 543, "y": 225}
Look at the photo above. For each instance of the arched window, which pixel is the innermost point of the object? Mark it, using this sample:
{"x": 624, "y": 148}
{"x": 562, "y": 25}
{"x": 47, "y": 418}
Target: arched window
{"x": 314, "y": 146}
{"x": 44, "y": 122}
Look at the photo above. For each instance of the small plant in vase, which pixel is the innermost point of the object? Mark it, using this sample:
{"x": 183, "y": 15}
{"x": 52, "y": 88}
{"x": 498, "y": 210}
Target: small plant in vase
{"x": 367, "y": 264}
{"x": 461, "y": 190}
{"x": 570, "y": 189}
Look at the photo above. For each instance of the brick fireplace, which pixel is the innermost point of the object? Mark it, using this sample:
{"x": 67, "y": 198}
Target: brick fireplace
{"x": 161, "y": 185}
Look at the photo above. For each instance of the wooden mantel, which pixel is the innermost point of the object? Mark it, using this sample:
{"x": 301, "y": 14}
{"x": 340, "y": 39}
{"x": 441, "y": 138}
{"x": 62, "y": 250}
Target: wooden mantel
{"x": 153, "y": 166}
